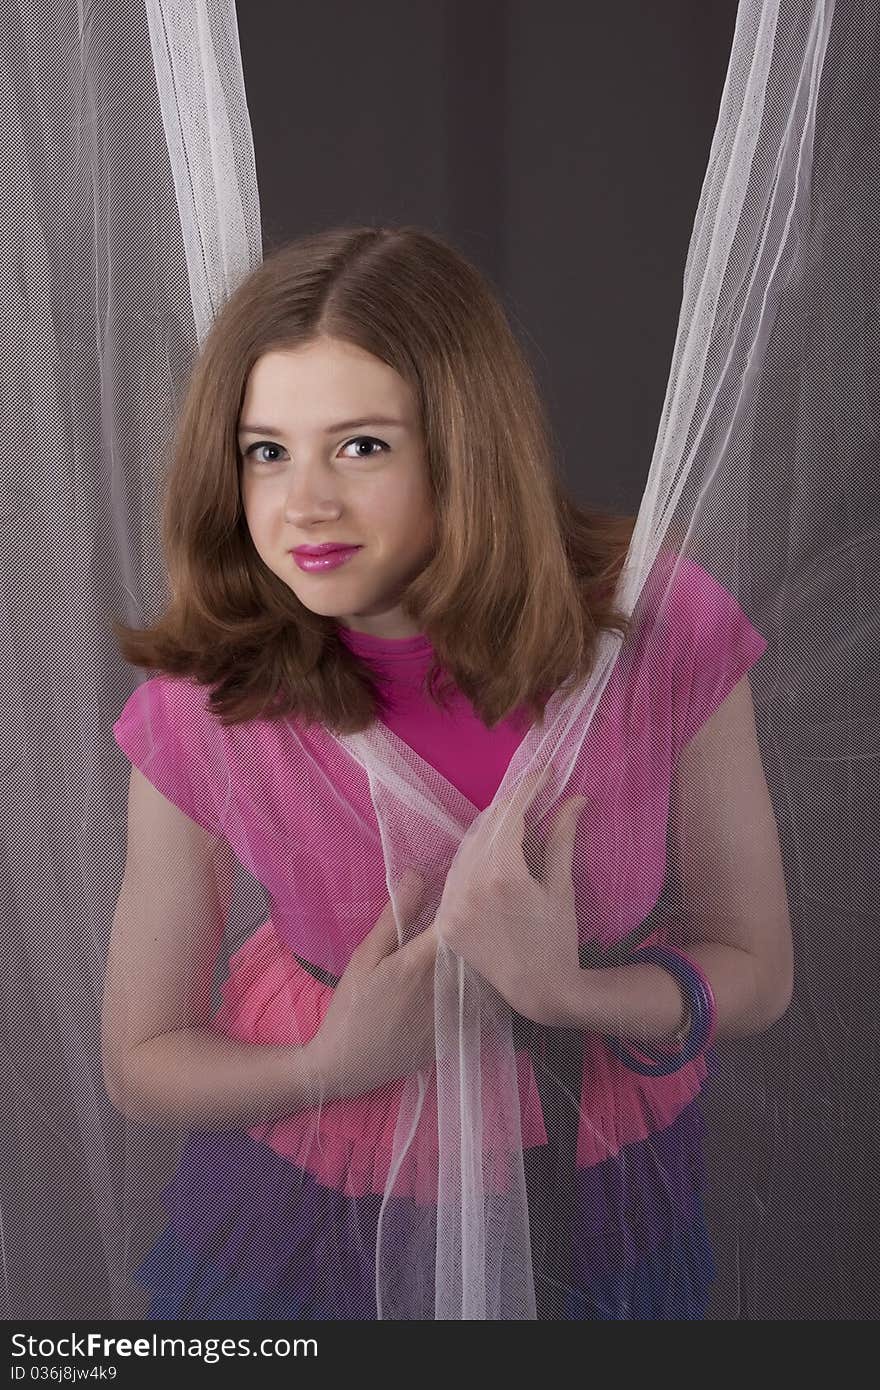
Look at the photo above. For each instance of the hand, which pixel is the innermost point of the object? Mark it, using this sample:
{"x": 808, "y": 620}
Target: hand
{"x": 516, "y": 929}
{"x": 379, "y": 1025}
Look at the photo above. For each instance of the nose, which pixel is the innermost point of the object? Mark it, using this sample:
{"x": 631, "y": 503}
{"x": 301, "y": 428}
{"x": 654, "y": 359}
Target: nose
{"x": 311, "y": 497}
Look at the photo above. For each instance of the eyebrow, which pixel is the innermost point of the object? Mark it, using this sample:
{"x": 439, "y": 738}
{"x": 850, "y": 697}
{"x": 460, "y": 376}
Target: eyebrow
{"x": 330, "y": 429}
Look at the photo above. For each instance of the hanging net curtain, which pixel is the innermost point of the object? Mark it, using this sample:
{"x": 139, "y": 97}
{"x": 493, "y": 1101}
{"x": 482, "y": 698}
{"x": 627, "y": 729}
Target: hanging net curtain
{"x": 471, "y": 1189}
{"x": 129, "y": 212}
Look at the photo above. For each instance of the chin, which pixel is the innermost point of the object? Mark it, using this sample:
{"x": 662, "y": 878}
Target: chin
{"x": 327, "y": 607}
{"x": 323, "y": 610}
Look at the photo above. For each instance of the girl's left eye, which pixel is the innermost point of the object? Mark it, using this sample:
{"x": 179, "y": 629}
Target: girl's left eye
{"x": 366, "y": 439}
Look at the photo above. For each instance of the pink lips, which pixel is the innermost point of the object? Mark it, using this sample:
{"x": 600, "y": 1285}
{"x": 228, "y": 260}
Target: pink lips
{"x": 314, "y": 559}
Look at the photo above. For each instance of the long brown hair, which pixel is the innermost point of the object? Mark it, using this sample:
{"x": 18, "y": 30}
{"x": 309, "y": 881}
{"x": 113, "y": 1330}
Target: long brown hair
{"x": 522, "y": 578}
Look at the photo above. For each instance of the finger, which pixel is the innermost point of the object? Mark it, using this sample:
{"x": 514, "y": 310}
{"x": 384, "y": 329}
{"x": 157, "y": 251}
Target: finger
{"x": 559, "y": 851}
{"x": 383, "y": 937}
{"x": 504, "y": 821}
{"x": 548, "y": 863}
{"x": 523, "y": 793}
{"x": 530, "y": 784}
{"x": 425, "y": 941}
{"x": 512, "y": 817}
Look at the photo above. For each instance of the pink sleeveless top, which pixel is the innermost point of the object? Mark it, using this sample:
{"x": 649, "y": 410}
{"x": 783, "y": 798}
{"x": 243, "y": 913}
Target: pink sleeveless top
{"x": 232, "y": 782}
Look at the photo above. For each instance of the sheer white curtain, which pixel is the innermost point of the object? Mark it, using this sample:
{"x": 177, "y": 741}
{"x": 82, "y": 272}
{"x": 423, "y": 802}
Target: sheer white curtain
{"x": 129, "y": 212}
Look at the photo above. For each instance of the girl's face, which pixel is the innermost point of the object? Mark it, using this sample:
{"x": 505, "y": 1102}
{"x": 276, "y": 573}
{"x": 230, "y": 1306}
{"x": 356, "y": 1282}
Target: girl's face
{"x": 331, "y": 451}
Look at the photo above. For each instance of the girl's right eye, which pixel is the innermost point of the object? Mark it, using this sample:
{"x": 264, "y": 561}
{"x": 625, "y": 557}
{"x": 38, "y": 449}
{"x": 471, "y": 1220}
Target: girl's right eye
{"x": 261, "y": 444}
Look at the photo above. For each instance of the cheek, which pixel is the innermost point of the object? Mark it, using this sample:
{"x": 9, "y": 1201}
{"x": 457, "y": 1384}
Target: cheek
{"x": 412, "y": 510}
{"x": 258, "y": 525}
{"x": 414, "y": 531}
{"x": 401, "y": 511}
{"x": 253, "y": 521}
{"x": 261, "y": 509}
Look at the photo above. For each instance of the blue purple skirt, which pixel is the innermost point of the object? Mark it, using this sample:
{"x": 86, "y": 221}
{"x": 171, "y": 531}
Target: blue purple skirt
{"x": 251, "y": 1236}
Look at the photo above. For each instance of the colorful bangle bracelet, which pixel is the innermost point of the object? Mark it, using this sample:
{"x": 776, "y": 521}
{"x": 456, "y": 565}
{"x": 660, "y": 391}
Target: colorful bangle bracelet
{"x": 708, "y": 998}
{"x": 703, "y": 1010}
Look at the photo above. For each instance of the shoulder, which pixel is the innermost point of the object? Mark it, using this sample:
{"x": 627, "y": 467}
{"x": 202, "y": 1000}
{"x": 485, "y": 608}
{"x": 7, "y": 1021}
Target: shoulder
{"x": 167, "y": 705}
{"x": 167, "y": 733}
{"x": 692, "y": 611}
{"x": 710, "y": 641}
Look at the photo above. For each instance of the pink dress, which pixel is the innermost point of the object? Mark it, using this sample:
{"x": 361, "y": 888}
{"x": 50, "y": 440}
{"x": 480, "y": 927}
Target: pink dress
{"x": 279, "y": 1220}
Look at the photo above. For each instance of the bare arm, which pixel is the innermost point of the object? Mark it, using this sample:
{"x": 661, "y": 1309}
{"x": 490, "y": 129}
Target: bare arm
{"x": 739, "y": 931}
{"x": 199, "y": 1076}
{"x": 163, "y": 1063}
